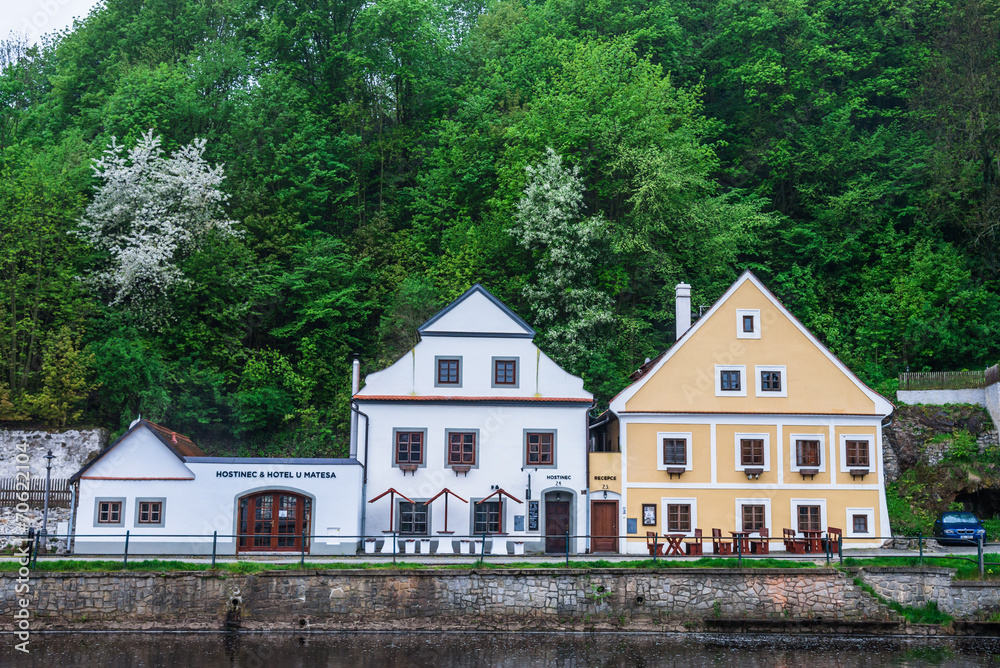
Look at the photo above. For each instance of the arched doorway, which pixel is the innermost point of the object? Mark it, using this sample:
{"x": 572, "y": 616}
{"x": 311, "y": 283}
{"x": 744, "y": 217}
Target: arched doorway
{"x": 273, "y": 521}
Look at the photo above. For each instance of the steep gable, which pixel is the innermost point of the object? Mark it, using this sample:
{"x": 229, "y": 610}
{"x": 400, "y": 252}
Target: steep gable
{"x": 476, "y": 313}
{"x": 146, "y": 451}
{"x": 685, "y": 379}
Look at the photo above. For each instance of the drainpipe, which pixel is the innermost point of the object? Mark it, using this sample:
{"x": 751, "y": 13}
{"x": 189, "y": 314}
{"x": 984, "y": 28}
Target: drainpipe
{"x": 72, "y": 517}
{"x": 586, "y": 431}
{"x": 364, "y": 468}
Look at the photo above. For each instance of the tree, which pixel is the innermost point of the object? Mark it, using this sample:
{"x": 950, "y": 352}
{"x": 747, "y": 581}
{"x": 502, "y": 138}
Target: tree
{"x": 151, "y": 212}
{"x": 567, "y": 305}
{"x": 66, "y": 373}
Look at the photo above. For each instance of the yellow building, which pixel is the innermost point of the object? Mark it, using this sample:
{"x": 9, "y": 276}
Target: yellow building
{"x": 746, "y": 422}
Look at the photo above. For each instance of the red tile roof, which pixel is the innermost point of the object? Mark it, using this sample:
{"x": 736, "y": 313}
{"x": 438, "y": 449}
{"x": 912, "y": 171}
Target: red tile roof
{"x": 427, "y": 397}
{"x": 179, "y": 442}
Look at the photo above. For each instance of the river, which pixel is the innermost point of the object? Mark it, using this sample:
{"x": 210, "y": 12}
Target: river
{"x": 465, "y": 650}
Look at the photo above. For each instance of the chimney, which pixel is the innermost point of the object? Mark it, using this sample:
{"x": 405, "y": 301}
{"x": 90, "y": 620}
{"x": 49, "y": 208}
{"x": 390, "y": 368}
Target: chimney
{"x": 355, "y": 386}
{"x": 683, "y": 292}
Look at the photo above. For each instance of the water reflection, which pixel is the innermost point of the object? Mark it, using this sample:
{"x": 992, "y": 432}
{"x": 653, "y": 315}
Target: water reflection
{"x": 450, "y": 650}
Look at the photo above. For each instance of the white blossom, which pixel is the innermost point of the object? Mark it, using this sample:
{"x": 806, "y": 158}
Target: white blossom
{"x": 151, "y": 211}
{"x": 565, "y": 300}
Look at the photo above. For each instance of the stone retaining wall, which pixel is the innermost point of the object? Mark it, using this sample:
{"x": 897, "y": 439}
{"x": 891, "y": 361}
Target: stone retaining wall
{"x": 493, "y": 599}
{"x": 919, "y": 586}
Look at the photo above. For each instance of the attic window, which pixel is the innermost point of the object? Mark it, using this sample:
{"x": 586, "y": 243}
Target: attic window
{"x": 747, "y": 323}
{"x": 448, "y": 371}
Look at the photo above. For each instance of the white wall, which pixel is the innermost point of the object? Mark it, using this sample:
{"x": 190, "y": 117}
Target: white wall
{"x": 209, "y": 503}
{"x": 500, "y": 461}
{"x": 975, "y": 396}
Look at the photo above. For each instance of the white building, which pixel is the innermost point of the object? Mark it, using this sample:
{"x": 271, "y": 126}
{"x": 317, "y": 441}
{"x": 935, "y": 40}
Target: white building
{"x": 159, "y": 487}
{"x": 475, "y": 408}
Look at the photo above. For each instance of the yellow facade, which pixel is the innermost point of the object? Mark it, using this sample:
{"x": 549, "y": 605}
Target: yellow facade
{"x": 807, "y": 449}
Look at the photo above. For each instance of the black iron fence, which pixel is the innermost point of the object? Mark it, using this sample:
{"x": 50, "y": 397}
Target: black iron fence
{"x": 741, "y": 549}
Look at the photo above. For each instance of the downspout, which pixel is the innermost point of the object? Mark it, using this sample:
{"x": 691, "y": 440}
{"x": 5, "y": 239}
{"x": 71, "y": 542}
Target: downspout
{"x": 586, "y": 431}
{"x": 364, "y": 470}
{"x": 72, "y": 517}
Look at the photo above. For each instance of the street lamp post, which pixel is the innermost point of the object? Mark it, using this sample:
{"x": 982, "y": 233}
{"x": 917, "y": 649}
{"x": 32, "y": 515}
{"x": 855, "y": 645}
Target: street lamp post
{"x": 45, "y": 512}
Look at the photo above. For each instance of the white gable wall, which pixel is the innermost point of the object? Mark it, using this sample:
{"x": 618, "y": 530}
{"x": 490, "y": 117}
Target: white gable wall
{"x": 140, "y": 454}
{"x": 415, "y": 373}
{"x": 476, "y": 314}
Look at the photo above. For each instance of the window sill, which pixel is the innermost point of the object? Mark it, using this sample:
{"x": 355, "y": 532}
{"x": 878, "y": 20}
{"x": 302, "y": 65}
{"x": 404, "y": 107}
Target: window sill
{"x": 808, "y": 472}
{"x": 855, "y": 473}
{"x": 675, "y": 471}
{"x": 464, "y": 470}
{"x": 411, "y": 468}
{"x": 753, "y": 472}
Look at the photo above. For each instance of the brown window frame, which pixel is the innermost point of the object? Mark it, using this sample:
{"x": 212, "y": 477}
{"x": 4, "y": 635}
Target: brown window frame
{"x": 485, "y": 520}
{"x": 854, "y": 460}
{"x": 750, "y": 319}
{"x": 726, "y": 378}
{"x": 805, "y": 459}
{"x": 812, "y": 523}
{"x": 409, "y": 458}
{"x": 757, "y": 517}
{"x": 459, "y": 438}
{"x": 682, "y": 449}
{"x": 113, "y": 512}
{"x": 770, "y": 381}
{"x": 410, "y": 518}
{"x": 750, "y": 458}
{"x": 513, "y": 372}
{"x": 149, "y": 511}
{"x": 540, "y": 454}
{"x": 444, "y": 365}
{"x": 679, "y": 517}
{"x": 864, "y": 520}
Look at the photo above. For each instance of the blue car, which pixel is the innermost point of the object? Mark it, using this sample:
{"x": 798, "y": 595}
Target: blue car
{"x": 958, "y": 527}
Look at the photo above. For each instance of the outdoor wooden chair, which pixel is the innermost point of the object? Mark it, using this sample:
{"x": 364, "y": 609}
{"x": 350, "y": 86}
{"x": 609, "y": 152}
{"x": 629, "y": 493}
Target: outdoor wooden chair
{"x": 761, "y": 545}
{"x": 793, "y": 544}
{"x": 694, "y": 548}
{"x": 653, "y": 543}
{"x": 720, "y": 546}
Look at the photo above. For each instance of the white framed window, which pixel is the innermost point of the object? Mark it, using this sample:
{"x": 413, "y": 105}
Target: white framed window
{"x": 753, "y": 510}
{"x": 806, "y": 451}
{"x": 673, "y": 450}
{"x": 770, "y": 380}
{"x": 753, "y": 451}
{"x": 679, "y": 515}
{"x": 747, "y": 323}
{"x": 857, "y": 451}
{"x": 808, "y": 514}
{"x": 860, "y": 523}
{"x": 730, "y": 380}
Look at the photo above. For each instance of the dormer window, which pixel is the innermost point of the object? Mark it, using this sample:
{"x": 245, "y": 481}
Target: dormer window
{"x": 448, "y": 372}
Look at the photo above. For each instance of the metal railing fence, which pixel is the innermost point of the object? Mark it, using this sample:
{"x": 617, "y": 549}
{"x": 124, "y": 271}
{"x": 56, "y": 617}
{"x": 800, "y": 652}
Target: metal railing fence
{"x": 393, "y": 545}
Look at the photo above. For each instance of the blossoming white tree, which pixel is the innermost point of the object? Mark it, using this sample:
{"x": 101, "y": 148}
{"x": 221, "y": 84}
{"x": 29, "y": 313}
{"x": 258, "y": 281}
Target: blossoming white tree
{"x": 566, "y": 301}
{"x": 152, "y": 210}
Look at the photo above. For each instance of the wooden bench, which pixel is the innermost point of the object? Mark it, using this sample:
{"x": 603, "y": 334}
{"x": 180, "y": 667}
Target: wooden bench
{"x": 694, "y": 548}
{"x": 761, "y": 545}
{"x": 720, "y": 546}
{"x": 793, "y": 544}
{"x": 655, "y": 546}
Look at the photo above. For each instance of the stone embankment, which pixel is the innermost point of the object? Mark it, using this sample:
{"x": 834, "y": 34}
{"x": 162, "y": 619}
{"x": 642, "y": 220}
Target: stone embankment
{"x": 673, "y": 600}
{"x": 917, "y": 587}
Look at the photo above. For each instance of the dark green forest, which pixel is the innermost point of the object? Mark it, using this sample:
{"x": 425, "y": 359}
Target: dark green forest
{"x": 376, "y": 155}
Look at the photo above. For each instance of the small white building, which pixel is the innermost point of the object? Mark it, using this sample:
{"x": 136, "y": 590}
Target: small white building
{"x": 160, "y": 487}
{"x": 477, "y": 409}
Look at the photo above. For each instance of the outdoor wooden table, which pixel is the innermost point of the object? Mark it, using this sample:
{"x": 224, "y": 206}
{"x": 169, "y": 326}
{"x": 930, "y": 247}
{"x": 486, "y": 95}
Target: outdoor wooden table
{"x": 674, "y": 546}
{"x": 814, "y": 540}
{"x": 741, "y": 538}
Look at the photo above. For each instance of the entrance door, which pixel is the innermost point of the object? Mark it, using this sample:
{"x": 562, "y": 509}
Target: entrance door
{"x": 556, "y": 526}
{"x": 604, "y": 526}
{"x": 273, "y": 522}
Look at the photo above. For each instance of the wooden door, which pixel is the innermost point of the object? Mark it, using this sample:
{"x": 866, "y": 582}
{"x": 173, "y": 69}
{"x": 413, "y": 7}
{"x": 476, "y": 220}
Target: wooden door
{"x": 273, "y": 521}
{"x": 604, "y": 526}
{"x": 556, "y": 526}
